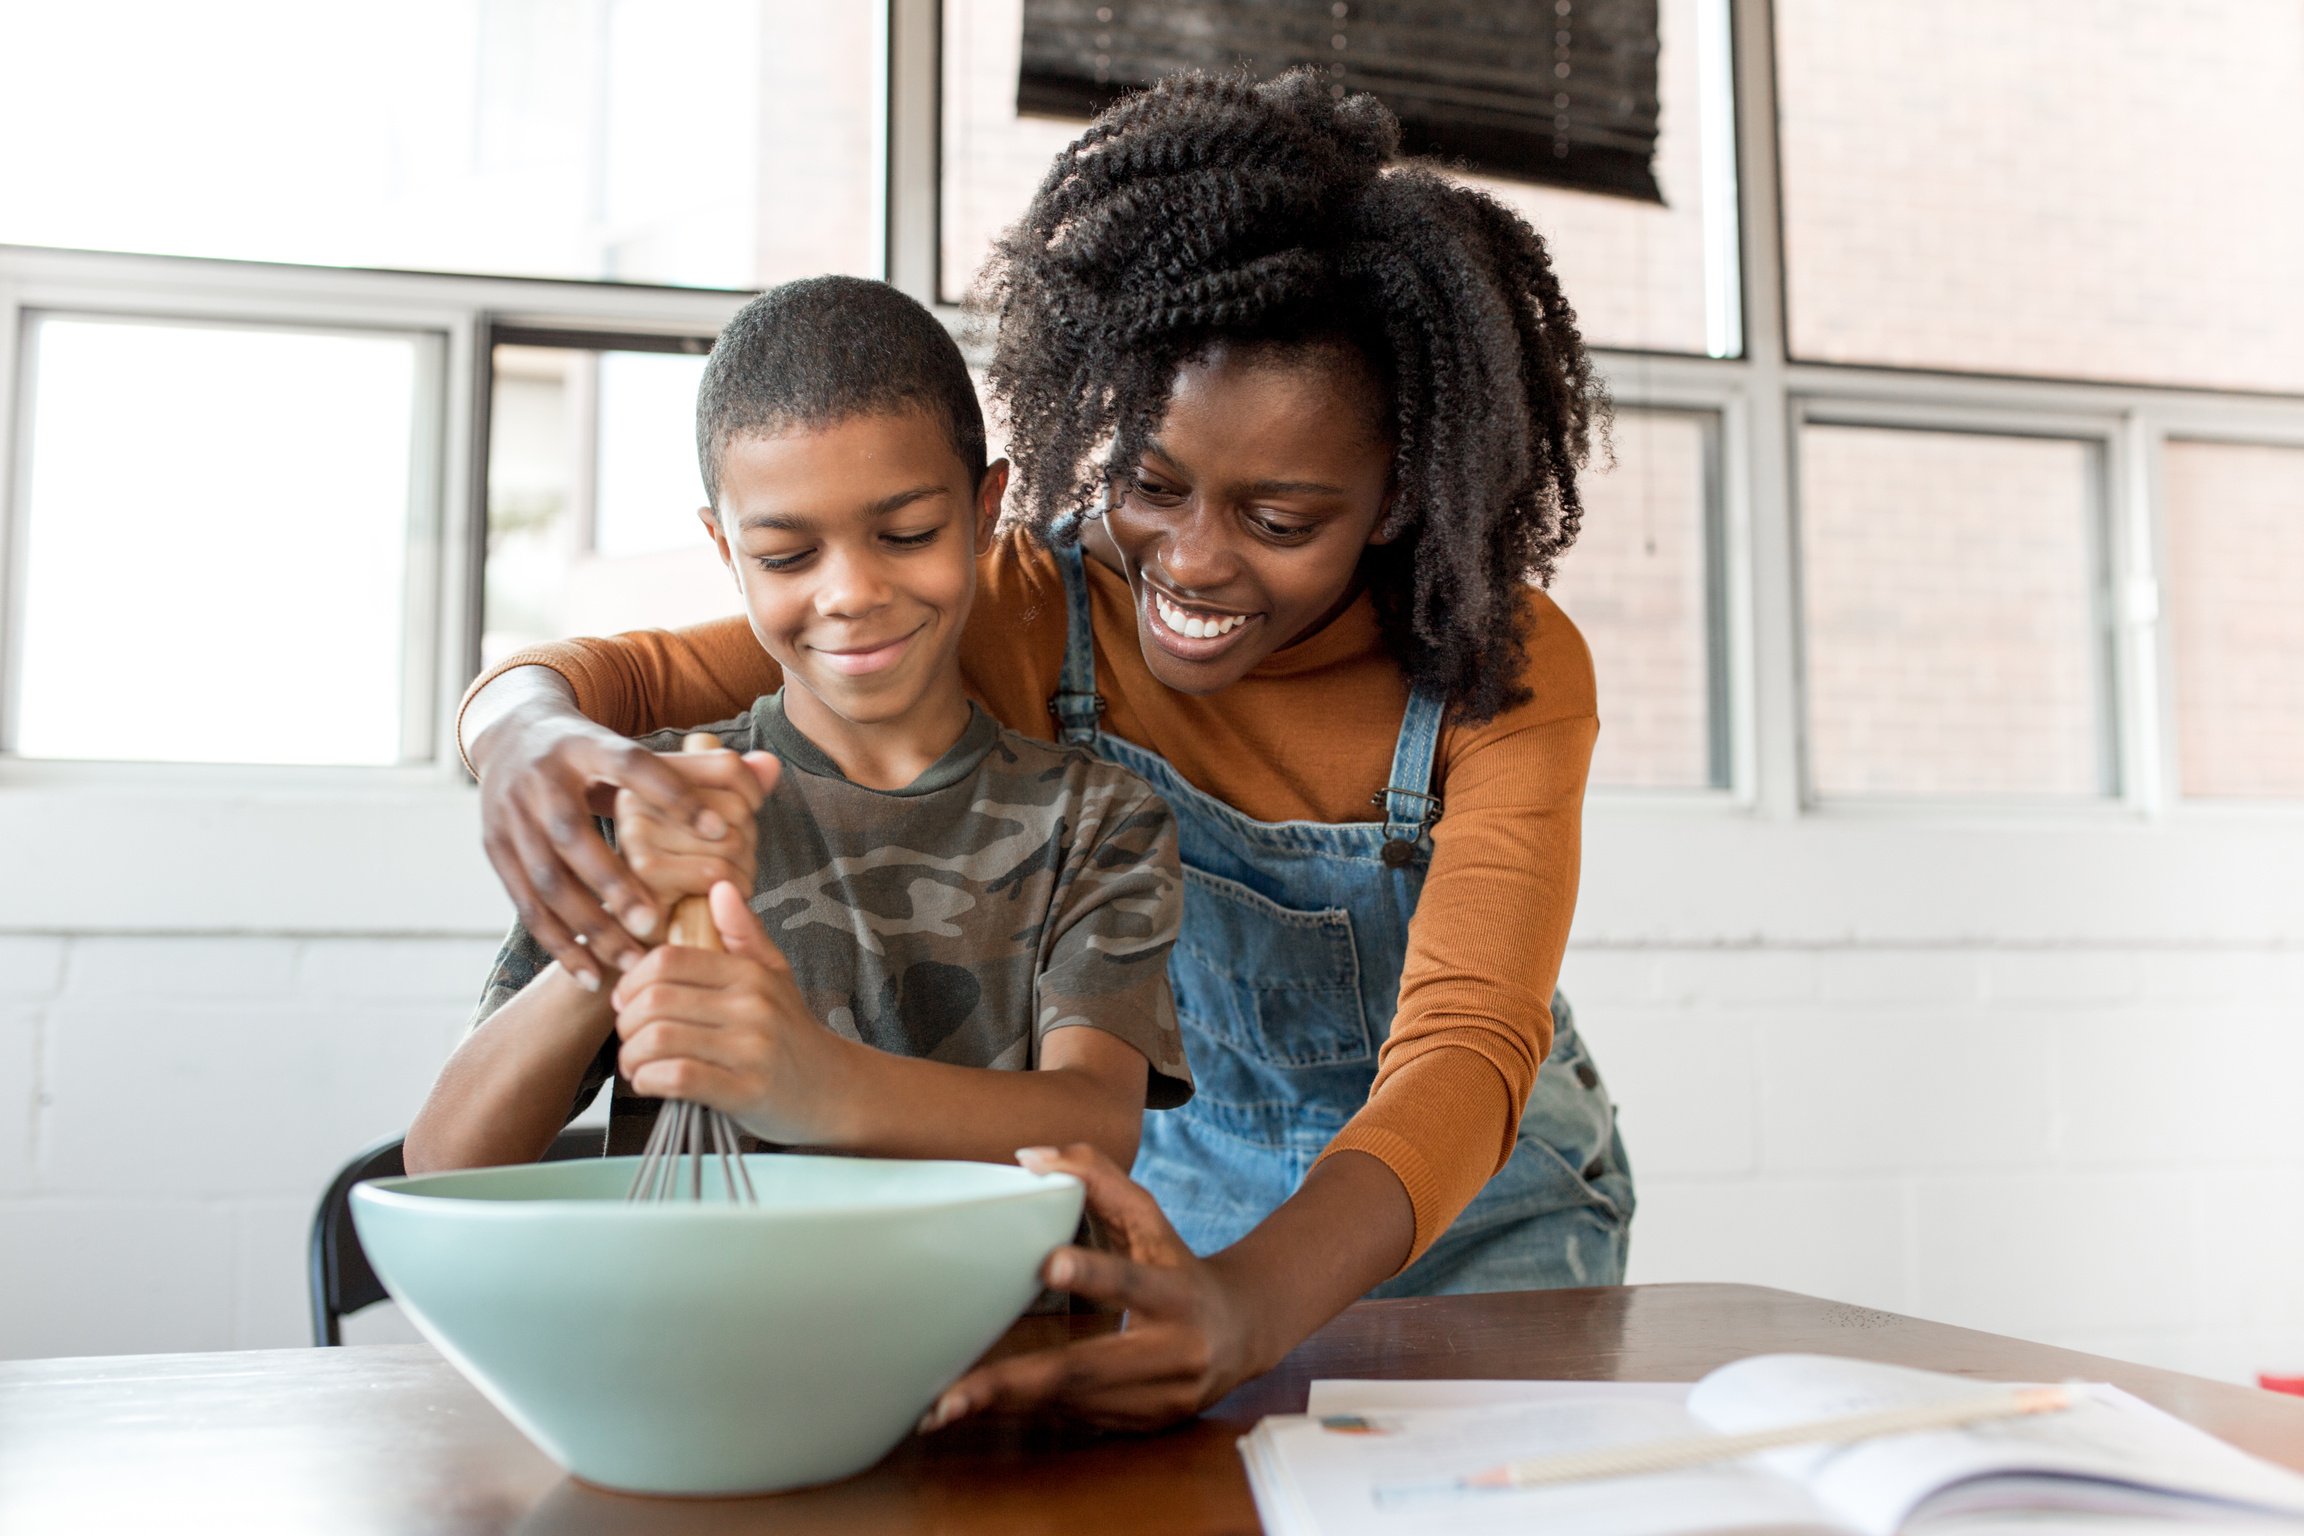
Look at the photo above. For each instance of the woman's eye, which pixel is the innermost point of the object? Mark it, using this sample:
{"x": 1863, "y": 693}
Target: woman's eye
{"x": 1279, "y": 528}
{"x": 1154, "y": 490}
{"x": 913, "y": 540}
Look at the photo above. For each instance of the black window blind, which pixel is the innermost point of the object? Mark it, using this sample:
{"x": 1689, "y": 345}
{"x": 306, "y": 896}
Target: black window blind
{"x": 1555, "y": 91}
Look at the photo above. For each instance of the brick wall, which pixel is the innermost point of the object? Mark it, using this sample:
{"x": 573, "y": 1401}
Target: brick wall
{"x": 2066, "y": 187}
{"x": 1950, "y": 638}
{"x": 2095, "y": 1147}
{"x": 2092, "y": 1146}
{"x": 2235, "y": 567}
{"x": 173, "y": 1108}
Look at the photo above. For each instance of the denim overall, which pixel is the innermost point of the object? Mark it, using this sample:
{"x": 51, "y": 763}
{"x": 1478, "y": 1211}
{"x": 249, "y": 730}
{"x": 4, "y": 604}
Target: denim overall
{"x": 1287, "y": 974}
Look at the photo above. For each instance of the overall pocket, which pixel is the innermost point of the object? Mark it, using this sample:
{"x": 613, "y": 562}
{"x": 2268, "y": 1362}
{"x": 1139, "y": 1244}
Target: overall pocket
{"x": 1276, "y": 985}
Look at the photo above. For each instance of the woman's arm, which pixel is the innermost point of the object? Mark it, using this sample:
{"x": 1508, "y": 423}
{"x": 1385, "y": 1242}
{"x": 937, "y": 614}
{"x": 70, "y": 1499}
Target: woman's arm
{"x": 1473, "y": 1026}
{"x": 1196, "y": 1328}
{"x": 546, "y": 769}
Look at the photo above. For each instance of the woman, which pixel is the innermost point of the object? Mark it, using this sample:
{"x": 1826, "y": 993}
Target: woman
{"x": 1294, "y": 427}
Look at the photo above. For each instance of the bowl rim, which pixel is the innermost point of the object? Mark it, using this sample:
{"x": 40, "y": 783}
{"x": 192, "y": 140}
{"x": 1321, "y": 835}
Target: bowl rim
{"x": 389, "y": 1192}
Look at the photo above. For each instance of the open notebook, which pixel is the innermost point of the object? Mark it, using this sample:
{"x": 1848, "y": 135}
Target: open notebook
{"x": 1384, "y": 1459}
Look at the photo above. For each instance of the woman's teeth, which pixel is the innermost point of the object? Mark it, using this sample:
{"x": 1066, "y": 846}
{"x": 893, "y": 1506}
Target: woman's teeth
{"x": 1192, "y": 627}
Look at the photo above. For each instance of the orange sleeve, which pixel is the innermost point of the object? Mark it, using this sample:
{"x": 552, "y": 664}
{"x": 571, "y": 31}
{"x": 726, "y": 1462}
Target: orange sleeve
{"x": 1484, "y": 948}
{"x": 652, "y": 679}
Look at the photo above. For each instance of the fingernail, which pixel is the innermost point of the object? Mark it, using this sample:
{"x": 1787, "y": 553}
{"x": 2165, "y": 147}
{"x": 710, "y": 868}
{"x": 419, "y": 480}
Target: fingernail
{"x": 1061, "y": 1270}
{"x": 588, "y": 980}
{"x": 710, "y": 825}
{"x": 947, "y": 1409}
{"x": 639, "y": 921}
{"x": 1035, "y": 1158}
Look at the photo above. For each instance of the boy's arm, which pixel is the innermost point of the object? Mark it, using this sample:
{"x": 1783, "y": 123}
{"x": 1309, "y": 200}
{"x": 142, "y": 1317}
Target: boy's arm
{"x": 732, "y": 1030}
{"x": 520, "y": 1075}
{"x": 1105, "y": 1041}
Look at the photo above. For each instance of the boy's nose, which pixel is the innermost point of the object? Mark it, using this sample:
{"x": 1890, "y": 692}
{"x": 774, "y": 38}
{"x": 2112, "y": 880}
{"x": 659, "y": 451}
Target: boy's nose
{"x": 851, "y": 586}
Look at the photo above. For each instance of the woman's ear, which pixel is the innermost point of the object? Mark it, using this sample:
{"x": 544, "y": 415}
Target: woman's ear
{"x": 991, "y": 493}
{"x": 1383, "y": 532}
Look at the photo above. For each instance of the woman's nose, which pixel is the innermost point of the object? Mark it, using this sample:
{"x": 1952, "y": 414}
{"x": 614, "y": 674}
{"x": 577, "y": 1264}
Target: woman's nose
{"x": 1197, "y": 556}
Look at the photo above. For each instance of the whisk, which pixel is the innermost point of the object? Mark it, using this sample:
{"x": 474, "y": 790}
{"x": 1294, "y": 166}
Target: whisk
{"x": 689, "y": 1137}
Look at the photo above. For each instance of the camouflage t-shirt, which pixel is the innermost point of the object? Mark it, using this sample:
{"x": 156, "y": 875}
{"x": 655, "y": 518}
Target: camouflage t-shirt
{"x": 1016, "y": 888}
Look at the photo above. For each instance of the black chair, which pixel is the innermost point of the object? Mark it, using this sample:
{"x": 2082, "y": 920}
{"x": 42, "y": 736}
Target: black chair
{"x": 342, "y": 1282}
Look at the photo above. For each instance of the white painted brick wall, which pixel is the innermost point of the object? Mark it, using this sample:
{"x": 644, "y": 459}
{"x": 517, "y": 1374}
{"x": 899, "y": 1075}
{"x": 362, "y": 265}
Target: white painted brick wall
{"x": 172, "y": 1107}
{"x": 2101, "y": 1147}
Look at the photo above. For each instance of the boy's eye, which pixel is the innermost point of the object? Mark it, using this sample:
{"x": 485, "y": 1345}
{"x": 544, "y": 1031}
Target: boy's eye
{"x": 913, "y": 540}
{"x": 1153, "y": 489}
{"x": 780, "y": 562}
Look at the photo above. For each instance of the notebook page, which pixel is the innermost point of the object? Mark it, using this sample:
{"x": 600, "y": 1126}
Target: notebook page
{"x": 1356, "y": 1395}
{"x": 2109, "y": 1438}
{"x": 1392, "y": 1473}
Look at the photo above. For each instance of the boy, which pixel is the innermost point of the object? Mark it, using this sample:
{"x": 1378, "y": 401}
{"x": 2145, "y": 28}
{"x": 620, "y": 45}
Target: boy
{"x": 930, "y": 895}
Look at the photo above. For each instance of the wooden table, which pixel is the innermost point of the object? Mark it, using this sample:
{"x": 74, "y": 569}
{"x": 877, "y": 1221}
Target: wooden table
{"x": 388, "y": 1438}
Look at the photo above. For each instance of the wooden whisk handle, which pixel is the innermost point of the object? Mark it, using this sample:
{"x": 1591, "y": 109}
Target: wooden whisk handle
{"x": 692, "y": 923}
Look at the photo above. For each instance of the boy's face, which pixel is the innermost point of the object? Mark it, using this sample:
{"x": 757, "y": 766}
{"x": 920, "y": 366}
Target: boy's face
{"x": 855, "y": 545}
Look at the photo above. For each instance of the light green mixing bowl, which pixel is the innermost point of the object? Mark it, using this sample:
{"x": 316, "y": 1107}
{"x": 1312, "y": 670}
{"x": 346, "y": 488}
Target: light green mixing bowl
{"x": 714, "y": 1348}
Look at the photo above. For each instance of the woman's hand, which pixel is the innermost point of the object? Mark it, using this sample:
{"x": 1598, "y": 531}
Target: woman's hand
{"x": 545, "y": 770}
{"x": 1187, "y": 1339}
{"x": 732, "y": 1031}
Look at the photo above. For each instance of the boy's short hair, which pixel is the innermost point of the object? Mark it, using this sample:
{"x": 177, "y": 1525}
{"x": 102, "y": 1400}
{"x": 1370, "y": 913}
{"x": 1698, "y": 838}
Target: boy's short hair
{"x": 823, "y": 349}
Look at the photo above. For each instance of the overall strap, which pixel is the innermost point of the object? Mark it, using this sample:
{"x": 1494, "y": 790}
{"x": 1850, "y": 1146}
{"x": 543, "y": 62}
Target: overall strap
{"x": 1409, "y": 806}
{"x": 1076, "y": 704}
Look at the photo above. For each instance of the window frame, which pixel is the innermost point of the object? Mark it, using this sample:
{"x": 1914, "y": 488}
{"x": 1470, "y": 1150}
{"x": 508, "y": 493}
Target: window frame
{"x": 1641, "y": 841}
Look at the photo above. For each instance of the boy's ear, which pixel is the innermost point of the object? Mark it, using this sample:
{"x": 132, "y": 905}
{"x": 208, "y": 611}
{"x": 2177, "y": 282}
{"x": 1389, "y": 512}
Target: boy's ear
{"x": 991, "y": 491}
{"x": 711, "y": 521}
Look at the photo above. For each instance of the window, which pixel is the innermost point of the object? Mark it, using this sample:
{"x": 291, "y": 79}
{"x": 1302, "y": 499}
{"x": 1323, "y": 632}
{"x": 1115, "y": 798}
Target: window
{"x": 1642, "y": 584}
{"x": 1954, "y": 636}
{"x": 2058, "y": 188}
{"x": 225, "y": 534}
{"x": 2235, "y": 585}
{"x": 593, "y": 488}
{"x": 729, "y": 143}
{"x": 1641, "y": 275}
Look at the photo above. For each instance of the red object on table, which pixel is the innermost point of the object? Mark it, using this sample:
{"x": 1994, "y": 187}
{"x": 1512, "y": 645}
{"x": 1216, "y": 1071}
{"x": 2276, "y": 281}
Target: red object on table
{"x": 2292, "y": 1385}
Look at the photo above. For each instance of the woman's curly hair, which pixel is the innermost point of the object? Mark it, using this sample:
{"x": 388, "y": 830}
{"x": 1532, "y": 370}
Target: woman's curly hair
{"x": 1211, "y": 210}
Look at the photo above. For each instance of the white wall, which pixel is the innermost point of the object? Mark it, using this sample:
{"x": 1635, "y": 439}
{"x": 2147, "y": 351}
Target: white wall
{"x": 2041, "y": 1078}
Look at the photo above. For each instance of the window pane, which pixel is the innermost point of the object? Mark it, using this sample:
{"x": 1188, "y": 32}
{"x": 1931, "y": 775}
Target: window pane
{"x": 2059, "y": 188}
{"x": 592, "y": 497}
{"x": 1638, "y": 584}
{"x": 2236, "y": 609}
{"x": 1636, "y": 273}
{"x": 1954, "y": 643}
{"x": 216, "y": 541}
{"x": 600, "y": 139}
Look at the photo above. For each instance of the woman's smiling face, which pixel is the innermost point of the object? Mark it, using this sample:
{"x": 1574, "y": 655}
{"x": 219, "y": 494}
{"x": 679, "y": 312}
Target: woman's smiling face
{"x": 1241, "y": 526}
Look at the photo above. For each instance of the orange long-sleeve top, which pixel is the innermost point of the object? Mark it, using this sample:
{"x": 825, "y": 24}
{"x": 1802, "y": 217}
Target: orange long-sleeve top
{"x": 1308, "y": 735}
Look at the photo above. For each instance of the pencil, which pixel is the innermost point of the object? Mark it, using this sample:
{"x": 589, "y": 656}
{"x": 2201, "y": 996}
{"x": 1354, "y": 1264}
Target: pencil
{"x": 1697, "y": 1450}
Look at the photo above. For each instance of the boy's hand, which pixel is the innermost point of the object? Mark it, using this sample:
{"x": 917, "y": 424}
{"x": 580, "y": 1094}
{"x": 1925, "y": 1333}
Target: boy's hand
{"x": 730, "y": 1031}
{"x": 669, "y": 855}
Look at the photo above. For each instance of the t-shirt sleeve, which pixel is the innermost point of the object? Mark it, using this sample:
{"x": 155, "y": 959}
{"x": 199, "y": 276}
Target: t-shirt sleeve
{"x": 652, "y": 679}
{"x": 1119, "y": 899}
{"x": 1484, "y": 948}
{"x": 519, "y": 963}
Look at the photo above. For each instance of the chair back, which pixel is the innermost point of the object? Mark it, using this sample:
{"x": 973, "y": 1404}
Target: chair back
{"x": 342, "y": 1280}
